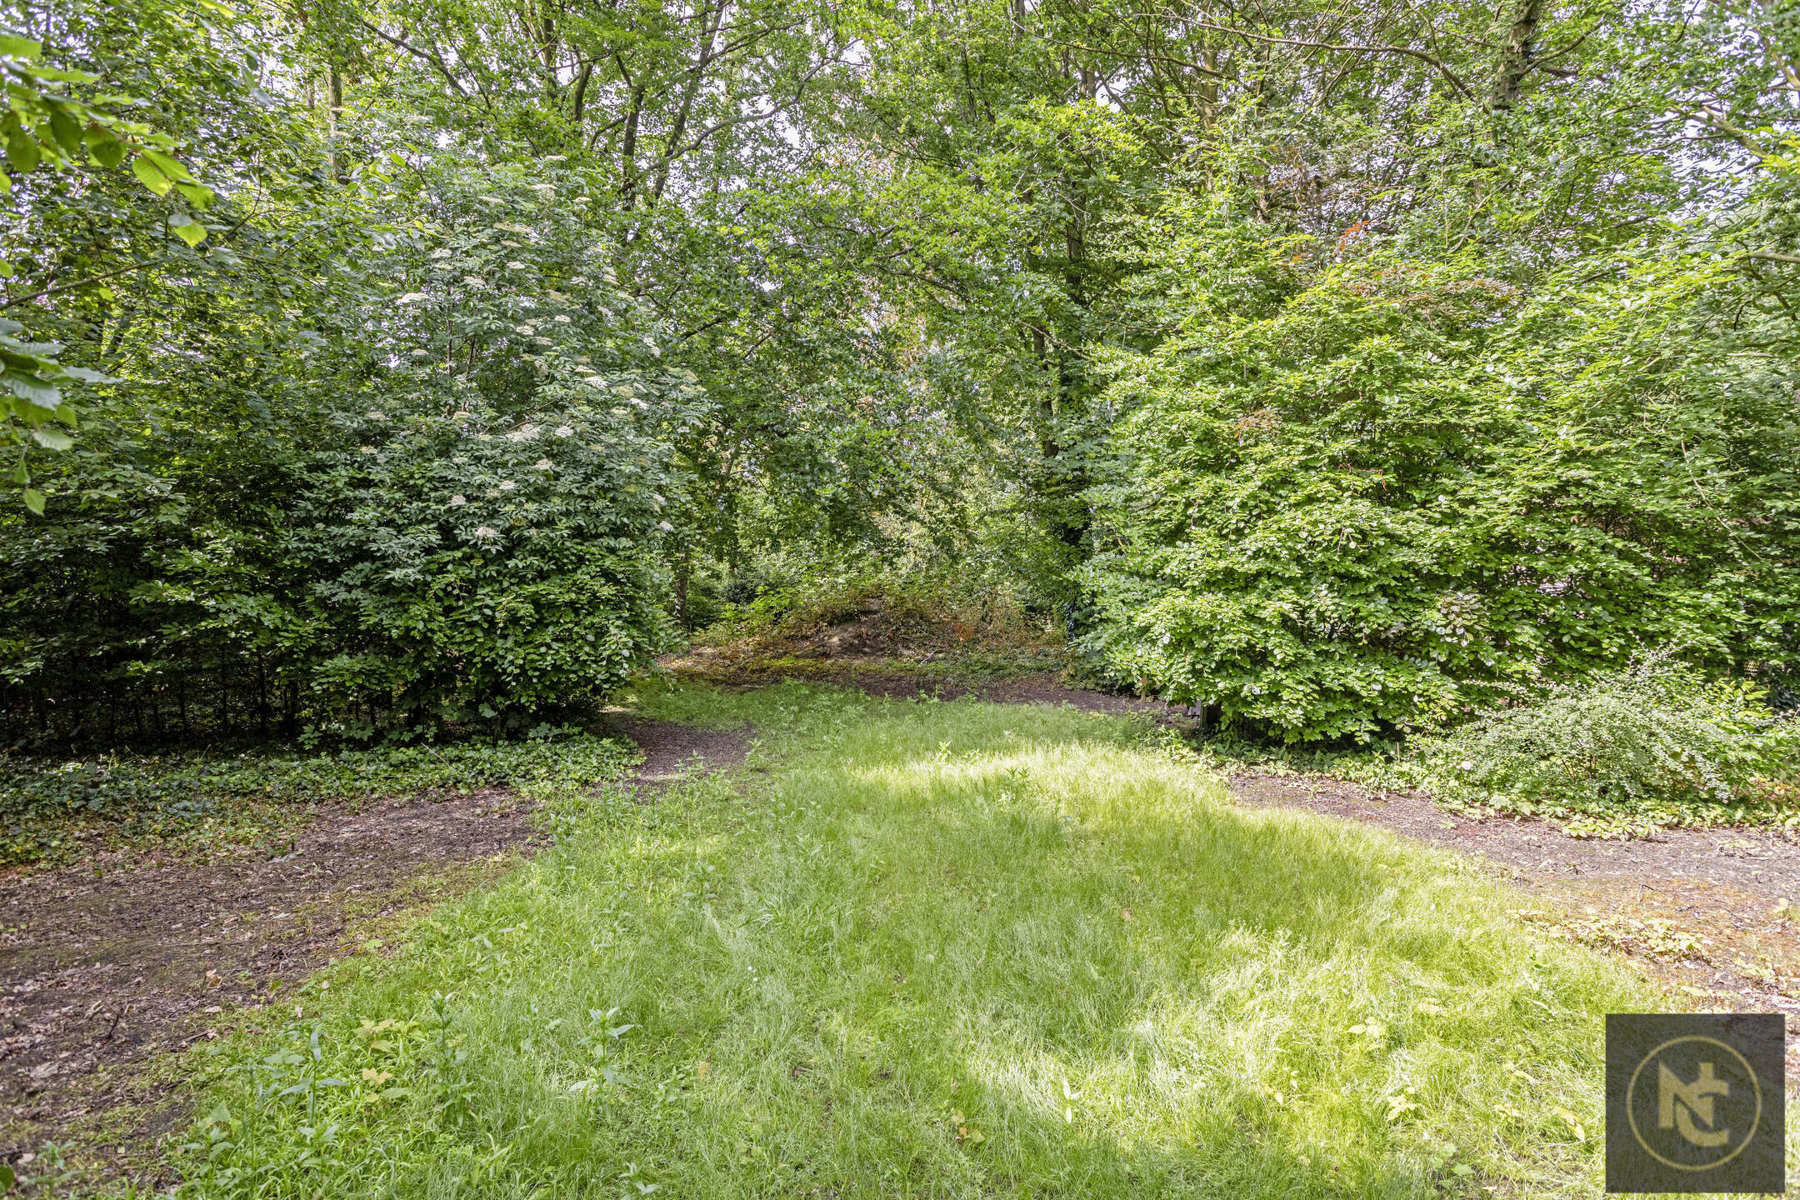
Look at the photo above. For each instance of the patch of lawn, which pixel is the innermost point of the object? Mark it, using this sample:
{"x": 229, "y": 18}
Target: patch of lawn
{"x": 938, "y": 949}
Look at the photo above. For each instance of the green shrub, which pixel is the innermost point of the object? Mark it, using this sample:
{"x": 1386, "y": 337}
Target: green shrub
{"x": 1383, "y": 500}
{"x": 1654, "y": 743}
{"x": 882, "y": 612}
{"x": 470, "y": 564}
{"x": 454, "y": 511}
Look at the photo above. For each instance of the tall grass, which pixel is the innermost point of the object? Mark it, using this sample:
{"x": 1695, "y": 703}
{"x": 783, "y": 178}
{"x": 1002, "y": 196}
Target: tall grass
{"x": 938, "y": 950}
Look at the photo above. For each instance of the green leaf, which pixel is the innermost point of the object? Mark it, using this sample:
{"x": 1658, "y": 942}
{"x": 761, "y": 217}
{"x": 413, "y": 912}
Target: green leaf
{"x": 168, "y": 166}
{"x": 189, "y": 232}
{"x": 65, "y": 129}
{"x": 34, "y": 500}
{"x": 17, "y": 47}
{"x": 197, "y": 194}
{"x": 27, "y": 386}
{"x": 152, "y": 178}
{"x": 22, "y": 151}
{"x": 64, "y": 75}
{"x": 105, "y": 146}
{"x": 52, "y": 439}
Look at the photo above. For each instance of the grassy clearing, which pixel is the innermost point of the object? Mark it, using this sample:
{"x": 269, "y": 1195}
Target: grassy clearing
{"x": 938, "y": 950}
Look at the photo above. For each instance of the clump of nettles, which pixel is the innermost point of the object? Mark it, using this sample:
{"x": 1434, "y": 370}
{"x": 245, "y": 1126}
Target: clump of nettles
{"x": 1654, "y": 744}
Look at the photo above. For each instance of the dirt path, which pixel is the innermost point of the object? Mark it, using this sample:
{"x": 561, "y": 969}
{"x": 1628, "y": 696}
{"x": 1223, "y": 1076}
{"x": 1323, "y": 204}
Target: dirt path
{"x": 671, "y": 750}
{"x": 110, "y": 961}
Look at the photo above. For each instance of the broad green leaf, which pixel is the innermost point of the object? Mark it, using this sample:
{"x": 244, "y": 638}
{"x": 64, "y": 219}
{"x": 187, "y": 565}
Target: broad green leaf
{"x": 105, "y": 146}
{"x": 66, "y": 130}
{"x": 22, "y": 153}
{"x": 64, "y": 75}
{"x": 152, "y": 178}
{"x": 34, "y": 500}
{"x": 29, "y": 387}
{"x": 168, "y": 166}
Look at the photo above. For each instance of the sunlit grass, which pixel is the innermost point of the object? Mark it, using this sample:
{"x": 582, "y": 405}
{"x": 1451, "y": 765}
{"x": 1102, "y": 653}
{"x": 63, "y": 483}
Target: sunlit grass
{"x": 939, "y": 950}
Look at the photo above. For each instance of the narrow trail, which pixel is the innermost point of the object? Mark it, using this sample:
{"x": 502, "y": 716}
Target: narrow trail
{"x": 124, "y": 955}
{"x": 672, "y": 751}
{"x": 1712, "y": 911}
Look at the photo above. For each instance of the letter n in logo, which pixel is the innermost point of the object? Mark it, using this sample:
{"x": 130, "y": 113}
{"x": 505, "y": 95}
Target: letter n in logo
{"x": 1678, "y": 1104}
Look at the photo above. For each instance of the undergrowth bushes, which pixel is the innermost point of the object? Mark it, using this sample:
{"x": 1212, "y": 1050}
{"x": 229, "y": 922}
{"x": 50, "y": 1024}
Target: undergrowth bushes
{"x": 439, "y": 498}
{"x": 1655, "y": 743}
{"x": 862, "y": 612}
{"x": 1385, "y": 496}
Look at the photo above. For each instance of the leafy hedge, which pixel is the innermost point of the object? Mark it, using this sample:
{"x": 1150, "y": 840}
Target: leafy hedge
{"x": 434, "y": 492}
{"x": 1372, "y": 500}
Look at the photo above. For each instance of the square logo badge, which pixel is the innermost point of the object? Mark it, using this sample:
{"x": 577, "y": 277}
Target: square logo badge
{"x": 1695, "y": 1102}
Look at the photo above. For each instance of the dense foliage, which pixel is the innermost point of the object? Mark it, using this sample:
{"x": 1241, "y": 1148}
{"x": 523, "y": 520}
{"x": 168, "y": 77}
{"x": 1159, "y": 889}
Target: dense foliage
{"x": 1652, "y": 744}
{"x": 1391, "y": 493}
{"x": 385, "y": 365}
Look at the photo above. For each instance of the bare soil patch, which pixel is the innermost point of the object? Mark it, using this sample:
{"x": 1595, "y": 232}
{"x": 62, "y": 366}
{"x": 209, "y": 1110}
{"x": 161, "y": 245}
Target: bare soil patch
{"x": 110, "y": 962}
{"x": 672, "y": 750}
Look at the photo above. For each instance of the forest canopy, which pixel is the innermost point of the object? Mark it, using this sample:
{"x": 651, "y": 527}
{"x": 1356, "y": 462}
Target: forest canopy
{"x": 377, "y": 366}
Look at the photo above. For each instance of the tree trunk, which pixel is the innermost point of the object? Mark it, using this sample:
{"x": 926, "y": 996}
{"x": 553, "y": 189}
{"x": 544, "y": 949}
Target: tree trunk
{"x": 334, "y": 107}
{"x": 1516, "y": 55}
